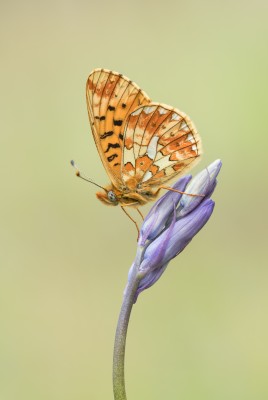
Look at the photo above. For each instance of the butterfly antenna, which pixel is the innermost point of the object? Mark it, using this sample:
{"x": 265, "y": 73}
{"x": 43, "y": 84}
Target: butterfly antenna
{"x": 78, "y": 173}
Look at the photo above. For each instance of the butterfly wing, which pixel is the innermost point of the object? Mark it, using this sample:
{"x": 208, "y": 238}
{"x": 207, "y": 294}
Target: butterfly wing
{"x": 111, "y": 97}
{"x": 160, "y": 142}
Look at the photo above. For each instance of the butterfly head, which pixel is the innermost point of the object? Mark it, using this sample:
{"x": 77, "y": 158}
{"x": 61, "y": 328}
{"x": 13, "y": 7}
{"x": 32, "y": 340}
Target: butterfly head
{"x": 109, "y": 197}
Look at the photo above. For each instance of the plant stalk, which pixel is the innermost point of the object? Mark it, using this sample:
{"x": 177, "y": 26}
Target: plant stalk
{"x": 120, "y": 339}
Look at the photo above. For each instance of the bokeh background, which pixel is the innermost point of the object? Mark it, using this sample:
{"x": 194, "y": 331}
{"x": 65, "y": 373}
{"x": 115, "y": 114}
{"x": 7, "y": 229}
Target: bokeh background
{"x": 201, "y": 331}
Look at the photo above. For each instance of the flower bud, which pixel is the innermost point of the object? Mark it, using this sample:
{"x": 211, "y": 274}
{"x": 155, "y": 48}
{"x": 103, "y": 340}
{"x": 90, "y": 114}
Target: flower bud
{"x": 204, "y": 184}
{"x": 171, "y": 225}
{"x": 176, "y": 237}
{"x": 160, "y": 212}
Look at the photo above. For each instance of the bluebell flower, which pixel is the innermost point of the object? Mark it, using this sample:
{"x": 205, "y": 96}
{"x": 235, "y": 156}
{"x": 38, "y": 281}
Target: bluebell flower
{"x": 171, "y": 225}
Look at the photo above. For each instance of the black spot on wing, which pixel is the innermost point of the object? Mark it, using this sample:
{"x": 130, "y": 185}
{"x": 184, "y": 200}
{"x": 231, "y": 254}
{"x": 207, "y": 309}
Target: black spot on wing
{"x": 121, "y": 136}
{"x": 111, "y": 108}
{"x": 112, "y": 157}
{"x": 106, "y": 134}
{"x": 118, "y": 122}
{"x": 112, "y": 146}
{"x": 102, "y": 118}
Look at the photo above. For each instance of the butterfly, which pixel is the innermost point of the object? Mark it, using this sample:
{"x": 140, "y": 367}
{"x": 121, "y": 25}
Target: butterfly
{"x": 142, "y": 144}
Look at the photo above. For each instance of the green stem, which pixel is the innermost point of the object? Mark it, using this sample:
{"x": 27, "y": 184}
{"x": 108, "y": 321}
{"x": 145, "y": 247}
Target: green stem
{"x": 120, "y": 339}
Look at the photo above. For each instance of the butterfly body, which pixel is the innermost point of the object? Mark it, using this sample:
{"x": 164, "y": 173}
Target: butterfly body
{"x": 142, "y": 144}
{"x": 126, "y": 196}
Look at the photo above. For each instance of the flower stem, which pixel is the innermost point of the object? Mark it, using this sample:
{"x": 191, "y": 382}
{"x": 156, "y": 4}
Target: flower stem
{"x": 120, "y": 339}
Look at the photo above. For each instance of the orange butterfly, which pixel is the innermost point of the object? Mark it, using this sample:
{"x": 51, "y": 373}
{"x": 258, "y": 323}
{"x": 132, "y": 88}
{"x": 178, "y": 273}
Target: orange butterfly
{"x": 142, "y": 144}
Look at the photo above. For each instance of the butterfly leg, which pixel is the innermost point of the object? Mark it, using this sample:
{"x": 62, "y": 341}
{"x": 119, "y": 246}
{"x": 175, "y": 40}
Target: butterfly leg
{"x": 140, "y": 213}
{"x": 129, "y": 216}
{"x": 178, "y": 191}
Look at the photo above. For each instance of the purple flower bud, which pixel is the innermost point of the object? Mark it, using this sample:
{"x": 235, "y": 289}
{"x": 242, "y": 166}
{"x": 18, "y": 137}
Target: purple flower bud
{"x": 160, "y": 212}
{"x": 203, "y": 183}
{"x": 149, "y": 279}
{"x": 176, "y": 237}
{"x": 171, "y": 225}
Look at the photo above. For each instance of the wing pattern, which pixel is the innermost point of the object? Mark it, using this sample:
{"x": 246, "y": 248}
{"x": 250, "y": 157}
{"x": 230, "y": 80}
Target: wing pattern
{"x": 159, "y": 143}
{"x": 111, "y": 97}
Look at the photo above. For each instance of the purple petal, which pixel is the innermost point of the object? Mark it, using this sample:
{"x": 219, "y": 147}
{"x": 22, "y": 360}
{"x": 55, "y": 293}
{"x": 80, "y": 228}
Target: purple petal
{"x": 176, "y": 240}
{"x": 160, "y": 251}
{"x": 159, "y": 213}
{"x": 149, "y": 280}
{"x": 203, "y": 183}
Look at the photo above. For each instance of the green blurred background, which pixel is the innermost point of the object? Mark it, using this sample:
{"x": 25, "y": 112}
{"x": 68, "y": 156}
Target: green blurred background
{"x": 201, "y": 331}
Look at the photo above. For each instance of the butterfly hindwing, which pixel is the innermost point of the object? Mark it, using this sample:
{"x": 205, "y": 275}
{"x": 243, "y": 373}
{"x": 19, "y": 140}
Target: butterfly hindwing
{"x": 111, "y": 97}
{"x": 159, "y": 143}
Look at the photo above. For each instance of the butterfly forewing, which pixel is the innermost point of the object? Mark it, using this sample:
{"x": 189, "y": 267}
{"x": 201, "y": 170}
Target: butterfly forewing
{"x": 159, "y": 143}
{"x": 111, "y": 97}
{"x": 141, "y": 144}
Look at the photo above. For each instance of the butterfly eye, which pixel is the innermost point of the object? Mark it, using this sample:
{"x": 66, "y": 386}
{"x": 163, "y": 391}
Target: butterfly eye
{"x": 111, "y": 196}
